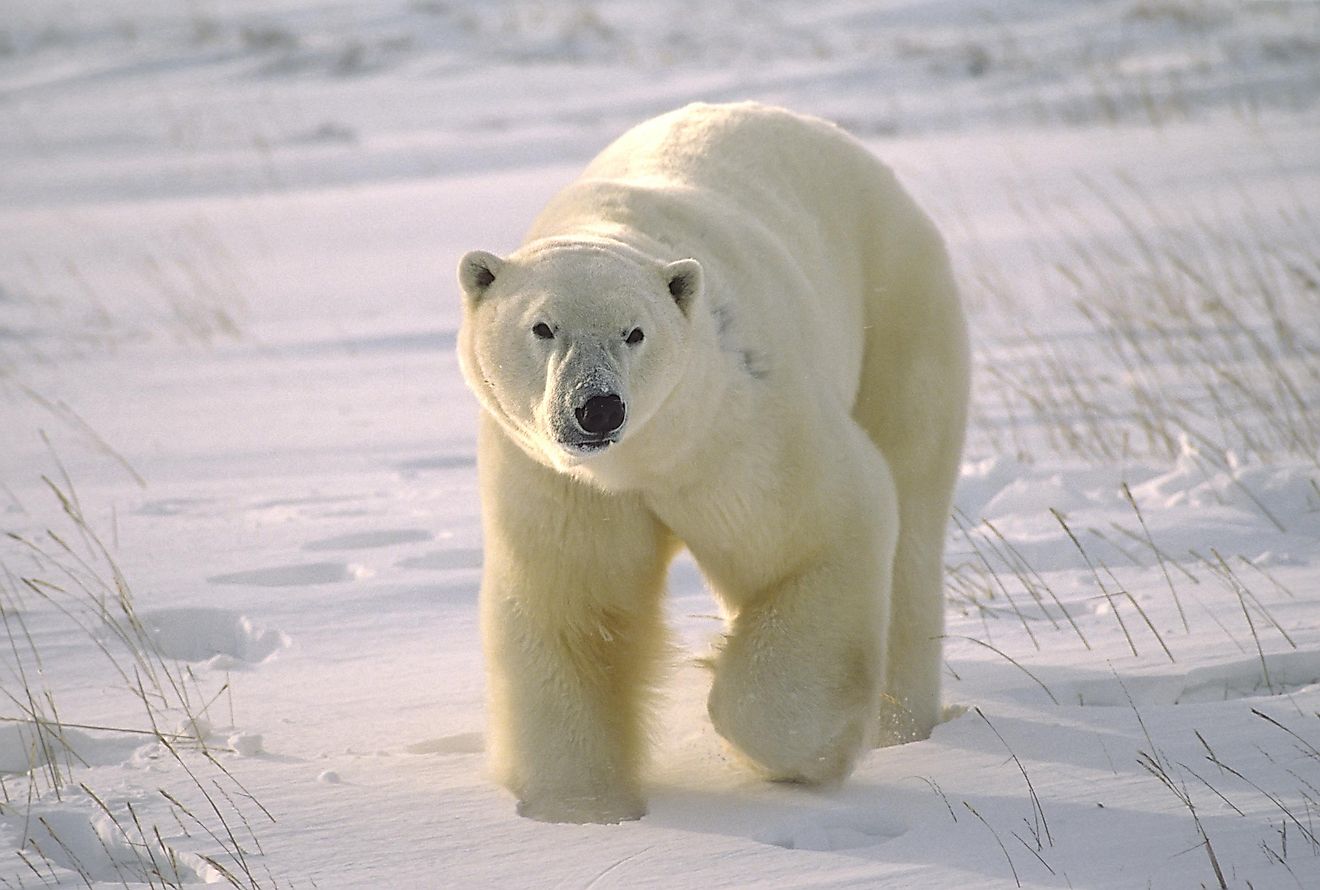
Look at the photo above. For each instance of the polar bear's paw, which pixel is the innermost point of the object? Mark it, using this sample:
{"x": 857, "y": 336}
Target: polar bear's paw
{"x": 814, "y": 742}
{"x": 603, "y": 808}
{"x": 827, "y": 762}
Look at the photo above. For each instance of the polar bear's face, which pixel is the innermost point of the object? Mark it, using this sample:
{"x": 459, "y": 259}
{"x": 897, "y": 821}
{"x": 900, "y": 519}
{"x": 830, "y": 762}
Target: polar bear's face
{"x": 573, "y": 347}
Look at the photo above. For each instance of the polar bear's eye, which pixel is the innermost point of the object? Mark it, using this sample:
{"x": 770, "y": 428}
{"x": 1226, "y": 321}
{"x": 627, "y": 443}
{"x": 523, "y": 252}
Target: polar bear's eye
{"x": 542, "y": 331}
{"x": 634, "y": 337}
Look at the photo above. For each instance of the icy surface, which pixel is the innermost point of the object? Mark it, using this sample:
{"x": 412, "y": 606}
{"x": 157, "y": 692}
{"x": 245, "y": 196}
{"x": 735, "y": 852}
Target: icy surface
{"x": 237, "y": 467}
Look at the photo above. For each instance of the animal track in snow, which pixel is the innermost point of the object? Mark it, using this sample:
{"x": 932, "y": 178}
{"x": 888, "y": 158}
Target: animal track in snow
{"x": 311, "y": 507}
{"x": 462, "y": 743}
{"x": 826, "y": 832}
{"x": 172, "y": 506}
{"x": 227, "y": 638}
{"x": 295, "y": 575}
{"x": 410, "y": 469}
{"x": 463, "y": 558}
{"x": 302, "y": 502}
{"x": 371, "y": 539}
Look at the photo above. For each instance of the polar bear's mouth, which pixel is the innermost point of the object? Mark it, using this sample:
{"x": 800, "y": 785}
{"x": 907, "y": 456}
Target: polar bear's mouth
{"x": 589, "y": 446}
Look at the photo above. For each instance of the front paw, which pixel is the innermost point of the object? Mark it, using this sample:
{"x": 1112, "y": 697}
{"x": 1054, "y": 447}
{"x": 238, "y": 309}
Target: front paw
{"x": 787, "y": 736}
{"x": 603, "y": 808}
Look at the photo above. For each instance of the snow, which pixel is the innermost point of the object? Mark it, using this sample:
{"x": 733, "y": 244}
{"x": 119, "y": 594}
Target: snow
{"x": 237, "y": 458}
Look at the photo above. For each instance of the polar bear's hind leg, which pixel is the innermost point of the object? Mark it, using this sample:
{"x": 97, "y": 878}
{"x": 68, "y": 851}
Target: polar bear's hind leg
{"x": 913, "y": 404}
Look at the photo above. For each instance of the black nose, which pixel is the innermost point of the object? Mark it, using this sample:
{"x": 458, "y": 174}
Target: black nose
{"x": 601, "y": 415}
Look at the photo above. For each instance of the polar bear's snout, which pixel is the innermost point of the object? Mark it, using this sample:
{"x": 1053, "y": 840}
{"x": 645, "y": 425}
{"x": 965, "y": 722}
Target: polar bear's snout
{"x": 601, "y": 415}
{"x": 594, "y": 420}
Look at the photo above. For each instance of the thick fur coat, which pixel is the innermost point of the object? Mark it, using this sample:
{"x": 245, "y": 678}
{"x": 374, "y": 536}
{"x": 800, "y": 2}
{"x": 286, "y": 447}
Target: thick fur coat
{"x": 735, "y": 332}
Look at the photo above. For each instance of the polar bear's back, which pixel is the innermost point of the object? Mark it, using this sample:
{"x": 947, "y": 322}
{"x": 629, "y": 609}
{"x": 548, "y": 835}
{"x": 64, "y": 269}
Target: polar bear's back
{"x": 802, "y": 178}
{"x": 787, "y": 205}
{"x": 746, "y": 152}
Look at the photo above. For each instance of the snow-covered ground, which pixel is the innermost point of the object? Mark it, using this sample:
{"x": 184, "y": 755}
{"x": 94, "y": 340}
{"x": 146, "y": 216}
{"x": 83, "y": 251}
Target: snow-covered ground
{"x": 236, "y": 456}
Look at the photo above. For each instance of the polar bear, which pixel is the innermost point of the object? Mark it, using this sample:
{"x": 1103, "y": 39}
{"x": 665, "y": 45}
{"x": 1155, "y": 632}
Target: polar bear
{"x": 734, "y": 333}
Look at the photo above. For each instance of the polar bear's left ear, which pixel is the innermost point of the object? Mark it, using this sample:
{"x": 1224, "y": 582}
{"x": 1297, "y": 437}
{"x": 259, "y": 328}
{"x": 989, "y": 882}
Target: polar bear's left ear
{"x": 476, "y": 273}
{"x": 685, "y": 282}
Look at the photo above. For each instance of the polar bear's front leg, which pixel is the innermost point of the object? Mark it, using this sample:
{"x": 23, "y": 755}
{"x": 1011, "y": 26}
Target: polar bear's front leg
{"x": 573, "y": 633}
{"x": 566, "y": 699}
{"x": 798, "y": 679}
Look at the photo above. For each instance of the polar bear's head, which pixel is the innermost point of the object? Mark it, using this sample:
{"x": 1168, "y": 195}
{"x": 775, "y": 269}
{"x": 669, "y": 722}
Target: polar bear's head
{"x": 573, "y": 345}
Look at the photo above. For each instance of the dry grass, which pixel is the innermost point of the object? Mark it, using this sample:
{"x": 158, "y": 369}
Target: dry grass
{"x": 72, "y": 577}
{"x": 1212, "y": 325}
{"x": 1194, "y": 338}
{"x": 183, "y": 282}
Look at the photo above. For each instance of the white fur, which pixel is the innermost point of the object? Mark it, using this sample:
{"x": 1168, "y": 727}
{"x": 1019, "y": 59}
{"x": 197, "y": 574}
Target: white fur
{"x": 795, "y": 413}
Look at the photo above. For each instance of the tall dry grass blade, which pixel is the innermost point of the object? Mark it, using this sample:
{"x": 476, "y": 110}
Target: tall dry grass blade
{"x": 1010, "y": 660}
{"x": 1113, "y": 606}
{"x": 1154, "y": 766}
{"x": 1231, "y": 580}
{"x": 1031, "y": 578}
{"x": 1038, "y": 812}
{"x": 935, "y": 786}
{"x": 995, "y": 834}
{"x": 78, "y": 867}
{"x": 1306, "y": 831}
{"x": 1159, "y": 555}
{"x": 998, "y": 581}
{"x": 65, "y": 413}
{"x": 1159, "y": 552}
{"x": 1251, "y": 625}
{"x": 1309, "y": 749}
{"x": 1211, "y": 788}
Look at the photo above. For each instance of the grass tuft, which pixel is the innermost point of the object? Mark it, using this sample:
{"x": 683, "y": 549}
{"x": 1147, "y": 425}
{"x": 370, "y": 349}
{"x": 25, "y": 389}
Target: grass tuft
{"x": 74, "y": 578}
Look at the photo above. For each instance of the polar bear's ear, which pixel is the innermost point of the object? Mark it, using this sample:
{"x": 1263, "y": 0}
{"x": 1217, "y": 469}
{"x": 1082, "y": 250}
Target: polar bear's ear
{"x": 684, "y": 280}
{"x": 476, "y": 273}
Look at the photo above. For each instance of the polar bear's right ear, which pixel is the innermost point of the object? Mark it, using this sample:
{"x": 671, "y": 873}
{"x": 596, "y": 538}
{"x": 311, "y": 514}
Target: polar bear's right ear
{"x": 685, "y": 282}
{"x": 477, "y": 272}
